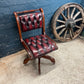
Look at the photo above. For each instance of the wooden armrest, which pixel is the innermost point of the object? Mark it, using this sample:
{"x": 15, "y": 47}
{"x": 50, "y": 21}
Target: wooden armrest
{"x": 26, "y": 48}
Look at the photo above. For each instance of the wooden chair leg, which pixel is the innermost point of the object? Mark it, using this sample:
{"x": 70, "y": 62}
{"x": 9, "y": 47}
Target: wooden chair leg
{"x": 39, "y": 66}
{"x": 49, "y": 58}
{"x": 26, "y": 60}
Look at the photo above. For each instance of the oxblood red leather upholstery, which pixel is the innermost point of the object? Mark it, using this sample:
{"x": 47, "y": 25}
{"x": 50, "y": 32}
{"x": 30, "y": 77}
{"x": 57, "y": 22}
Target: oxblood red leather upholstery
{"x": 40, "y": 45}
{"x": 31, "y": 21}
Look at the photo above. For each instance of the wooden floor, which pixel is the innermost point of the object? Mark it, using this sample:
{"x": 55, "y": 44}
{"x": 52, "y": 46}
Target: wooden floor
{"x": 69, "y": 67}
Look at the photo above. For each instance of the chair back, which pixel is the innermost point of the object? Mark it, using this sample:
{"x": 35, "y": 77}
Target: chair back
{"x": 29, "y": 20}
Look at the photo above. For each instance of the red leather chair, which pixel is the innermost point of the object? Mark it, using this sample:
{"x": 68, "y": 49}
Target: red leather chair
{"x": 37, "y": 46}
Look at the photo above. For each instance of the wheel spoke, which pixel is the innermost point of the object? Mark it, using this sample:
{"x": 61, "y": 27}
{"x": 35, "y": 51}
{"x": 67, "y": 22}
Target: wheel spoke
{"x": 68, "y": 13}
{"x": 62, "y": 31}
{"x": 77, "y": 20}
{"x": 73, "y": 12}
{"x": 76, "y": 14}
{"x": 77, "y": 26}
{"x": 77, "y": 31}
{"x": 60, "y": 27}
{"x": 70, "y": 34}
{"x": 63, "y": 16}
{"x": 65, "y": 34}
{"x": 61, "y": 21}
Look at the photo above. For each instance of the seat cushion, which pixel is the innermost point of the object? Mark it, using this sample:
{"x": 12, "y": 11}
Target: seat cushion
{"x": 40, "y": 45}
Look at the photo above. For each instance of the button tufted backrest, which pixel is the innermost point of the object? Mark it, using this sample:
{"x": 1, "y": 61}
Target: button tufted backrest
{"x": 31, "y": 21}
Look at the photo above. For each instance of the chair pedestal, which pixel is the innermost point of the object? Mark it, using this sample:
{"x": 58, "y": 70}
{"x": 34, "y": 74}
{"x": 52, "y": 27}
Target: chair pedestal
{"x": 45, "y": 57}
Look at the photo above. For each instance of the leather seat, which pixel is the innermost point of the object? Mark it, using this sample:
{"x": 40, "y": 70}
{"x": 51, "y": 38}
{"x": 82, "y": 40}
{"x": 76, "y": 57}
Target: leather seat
{"x": 40, "y": 45}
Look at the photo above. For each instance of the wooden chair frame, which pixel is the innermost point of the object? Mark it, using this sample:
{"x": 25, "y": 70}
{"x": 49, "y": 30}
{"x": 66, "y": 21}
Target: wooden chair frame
{"x": 23, "y": 42}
